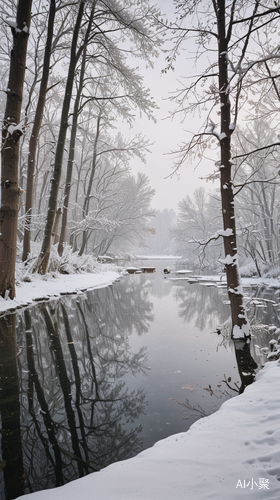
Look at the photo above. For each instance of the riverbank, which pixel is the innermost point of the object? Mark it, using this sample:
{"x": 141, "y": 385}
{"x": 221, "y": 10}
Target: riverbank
{"x": 39, "y": 288}
{"x": 232, "y": 454}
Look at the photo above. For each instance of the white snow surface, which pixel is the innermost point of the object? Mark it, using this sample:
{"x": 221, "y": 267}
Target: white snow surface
{"x": 53, "y": 286}
{"x": 239, "y": 331}
{"x": 229, "y": 260}
{"x": 223, "y": 232}
{"x": 11, "y": 22}
{"x": 232, "y": 454}
{"x": 222, "y": 135}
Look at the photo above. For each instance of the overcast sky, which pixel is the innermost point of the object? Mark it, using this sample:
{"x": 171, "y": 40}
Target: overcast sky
{"x": 167, "y": 134}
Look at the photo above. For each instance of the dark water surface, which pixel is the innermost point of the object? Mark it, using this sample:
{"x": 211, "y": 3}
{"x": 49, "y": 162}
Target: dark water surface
{"x": 97, "y": 377}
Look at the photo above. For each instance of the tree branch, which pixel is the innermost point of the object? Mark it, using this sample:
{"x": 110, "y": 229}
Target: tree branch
{"x": 256, "y": 150}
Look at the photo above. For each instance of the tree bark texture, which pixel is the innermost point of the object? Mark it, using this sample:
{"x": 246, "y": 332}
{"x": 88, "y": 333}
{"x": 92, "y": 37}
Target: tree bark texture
{"x": 43, "y": 259}
{"x": 35, "y": 133}
{"x": 11, "y": 133}
{"x": 240, "y": 325}
{"x": 55, "y": 234}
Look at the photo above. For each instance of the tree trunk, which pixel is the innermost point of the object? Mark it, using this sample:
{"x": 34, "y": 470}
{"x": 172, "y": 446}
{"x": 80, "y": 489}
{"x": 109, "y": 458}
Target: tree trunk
{"x": 43, "y": 259}
{"x": 92, "y": 174}
{"x": 84, "y": 242}
{"x": 240, "y": 325}
{"x": 11, "y": 133}
{"x": 71, "y": 157}
{"x": 55, "y": 226}
{"x": 73, "y": 138}
{"x": 73, "y": 236}
{"x": 35, "y": 133}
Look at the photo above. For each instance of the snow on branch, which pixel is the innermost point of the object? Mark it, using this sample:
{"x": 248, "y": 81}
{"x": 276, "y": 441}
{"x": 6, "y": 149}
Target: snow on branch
{"x": 14, "y": 26}
{"x": 221, "y": 232}
{"x": 229, "y": 260}
{"x": 93, "y": 221}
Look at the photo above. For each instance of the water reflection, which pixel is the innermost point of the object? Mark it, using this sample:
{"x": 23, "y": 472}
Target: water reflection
{"x": 247, "y": 366}
{"x": 200, "y": 305}
{"x": 77, "y": 414}
{"x": 211, "y": 305}
{"x": 263, "y": 305}
{"x": 12, "y": 459}
{"x": 100, "y": 374}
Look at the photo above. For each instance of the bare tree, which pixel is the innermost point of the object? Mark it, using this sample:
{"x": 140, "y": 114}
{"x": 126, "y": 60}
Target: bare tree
{"x": 199, "y": 219}
{"x": 35, "y": 132}
{"x": 105, "y": 77}
{"x": 43, "y": 259}
{"x": 11, "y": 133}
{"x": 71, "y": 156}
{"x": 111, "y": 25}
{"x": 109, "y": 193}
{"x": 225, "y": 31}
{"x": 256, "y": 180}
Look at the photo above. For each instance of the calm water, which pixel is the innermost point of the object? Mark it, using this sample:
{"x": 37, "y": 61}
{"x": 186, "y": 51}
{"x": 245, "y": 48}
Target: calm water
{"x": 97, "y": 377}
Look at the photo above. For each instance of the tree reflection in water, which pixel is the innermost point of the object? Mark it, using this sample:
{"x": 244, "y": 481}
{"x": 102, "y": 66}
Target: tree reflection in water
{"x": 77, "y": 415}
{"x": 245, "y": 362}
{"x": 205, "y": 315}
{"x": 77, "y": 394}
{"x": 12, "y": 459}
{"x": 196, "y": 304}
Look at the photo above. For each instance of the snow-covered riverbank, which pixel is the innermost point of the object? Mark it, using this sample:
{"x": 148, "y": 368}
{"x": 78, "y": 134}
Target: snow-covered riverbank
{"x": 232, "y": 454}
{"x": 42, "y": 288}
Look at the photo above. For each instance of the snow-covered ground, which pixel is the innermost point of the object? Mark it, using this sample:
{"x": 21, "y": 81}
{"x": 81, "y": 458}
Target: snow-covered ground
{"x": 54, "y": 285}
{"x": 232, "y": 454}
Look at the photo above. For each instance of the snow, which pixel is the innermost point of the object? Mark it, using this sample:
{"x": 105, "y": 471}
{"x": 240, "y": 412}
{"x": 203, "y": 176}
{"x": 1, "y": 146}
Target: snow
{"x": 11, "y": 22}
{"x": 229, "y": 260}
{"x": 238, "y": 290}
{"x": 223, "y": 232}
{"x": 220, "y": 456}
{"x": 53, "y": 286}
{"x": 240, "y": 331}
{"x": 223, "y": 135}
{"x": 12, "y": 128}
{"x": 184, "y": 271}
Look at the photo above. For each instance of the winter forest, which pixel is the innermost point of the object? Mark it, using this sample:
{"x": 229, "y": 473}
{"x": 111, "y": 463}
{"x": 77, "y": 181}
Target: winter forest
{"x": 72, "y": 92}
{"x": 139, "y": 248}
